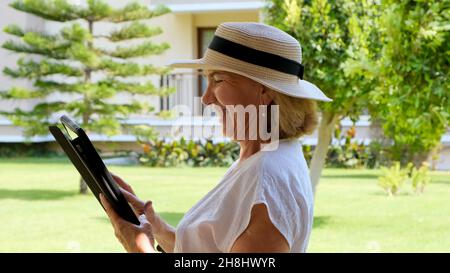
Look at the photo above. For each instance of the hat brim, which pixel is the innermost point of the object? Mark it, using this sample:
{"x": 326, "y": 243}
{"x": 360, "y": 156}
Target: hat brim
{"x": 303, "y": 89}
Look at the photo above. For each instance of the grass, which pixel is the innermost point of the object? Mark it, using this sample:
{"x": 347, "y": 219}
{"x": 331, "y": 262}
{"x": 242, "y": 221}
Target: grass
{"x": 40, "y": 210}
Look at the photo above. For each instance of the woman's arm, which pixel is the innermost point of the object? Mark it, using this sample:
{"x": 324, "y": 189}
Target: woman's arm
{"x": 166, "y": 237}
{"x": 161, "y": 230}
{"x": 260, "y": 235}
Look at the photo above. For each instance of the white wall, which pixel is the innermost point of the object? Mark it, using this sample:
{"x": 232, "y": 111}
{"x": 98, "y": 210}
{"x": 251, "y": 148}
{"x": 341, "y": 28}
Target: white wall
{"x": 9, "y": 16}
{"x": 179, "y": 30}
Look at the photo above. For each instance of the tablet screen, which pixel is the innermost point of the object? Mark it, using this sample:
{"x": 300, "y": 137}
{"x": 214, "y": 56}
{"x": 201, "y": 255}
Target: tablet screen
{"x": 89, "y": 164}
{"x": 109, "y": 189}
{"x": 70, "y": 134}
{"x": 73, "y": 137}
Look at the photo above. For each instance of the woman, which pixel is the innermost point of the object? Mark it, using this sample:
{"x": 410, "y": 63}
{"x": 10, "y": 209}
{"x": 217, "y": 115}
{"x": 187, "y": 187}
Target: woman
{"x": 264, "y": 202}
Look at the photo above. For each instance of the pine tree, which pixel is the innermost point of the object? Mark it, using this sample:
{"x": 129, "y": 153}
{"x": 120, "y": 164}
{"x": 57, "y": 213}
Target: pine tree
{"x": 66, "y": 62}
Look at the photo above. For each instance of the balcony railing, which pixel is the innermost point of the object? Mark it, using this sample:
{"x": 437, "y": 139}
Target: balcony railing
{"x": 187, "y": 90}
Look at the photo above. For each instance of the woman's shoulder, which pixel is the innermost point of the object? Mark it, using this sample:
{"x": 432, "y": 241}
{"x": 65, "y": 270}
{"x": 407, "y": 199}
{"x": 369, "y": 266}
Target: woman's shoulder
{"x": 281, "y": 166}
{"x": 285, "y": 173}
{"x": 284, "y": 162}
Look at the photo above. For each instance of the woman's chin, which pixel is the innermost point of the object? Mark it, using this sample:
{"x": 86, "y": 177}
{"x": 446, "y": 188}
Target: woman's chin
{"x": 227, "y": 134}
{"x": 224, "y": 132}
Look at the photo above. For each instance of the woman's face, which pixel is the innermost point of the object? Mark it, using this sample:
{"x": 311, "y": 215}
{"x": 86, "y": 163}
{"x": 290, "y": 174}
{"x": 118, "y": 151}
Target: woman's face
{"x": 230, "y": 89}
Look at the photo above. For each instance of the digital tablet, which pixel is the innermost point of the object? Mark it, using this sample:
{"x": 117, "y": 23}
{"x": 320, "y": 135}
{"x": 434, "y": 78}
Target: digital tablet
{"x": 77, "y": 146}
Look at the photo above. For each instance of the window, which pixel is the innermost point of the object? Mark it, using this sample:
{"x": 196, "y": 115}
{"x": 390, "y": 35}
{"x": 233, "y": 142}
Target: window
{"x": 205, "y": 36}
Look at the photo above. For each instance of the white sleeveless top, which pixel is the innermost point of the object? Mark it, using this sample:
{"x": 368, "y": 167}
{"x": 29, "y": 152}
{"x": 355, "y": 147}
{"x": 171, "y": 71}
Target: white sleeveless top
{"x": 278, "y": 178}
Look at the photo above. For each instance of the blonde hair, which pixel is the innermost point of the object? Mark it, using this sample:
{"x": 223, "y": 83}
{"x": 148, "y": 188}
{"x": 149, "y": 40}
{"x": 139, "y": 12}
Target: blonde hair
{"x": 297, "y": 116}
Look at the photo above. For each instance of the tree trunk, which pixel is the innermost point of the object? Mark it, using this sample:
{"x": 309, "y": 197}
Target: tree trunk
{"x": 325, "y": 132}
{"x": 419, "y": 158}
{"x": 83, "y": 186}
{"x": 86, "y": 114}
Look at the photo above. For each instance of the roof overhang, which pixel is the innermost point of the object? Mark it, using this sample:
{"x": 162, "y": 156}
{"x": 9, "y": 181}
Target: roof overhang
{"x": 214, "y": 7}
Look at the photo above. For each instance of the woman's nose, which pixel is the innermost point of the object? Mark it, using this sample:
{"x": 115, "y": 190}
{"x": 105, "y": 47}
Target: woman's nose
{"x": 208, "y": 97}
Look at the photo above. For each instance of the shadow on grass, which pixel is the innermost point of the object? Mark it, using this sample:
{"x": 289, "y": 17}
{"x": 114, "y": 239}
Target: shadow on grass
{"x": 352, "y": 176}
{"x": 398, "y": 194}
{"x": 35, "y": 195}
{"x": 36, "y": 160}
{"x": 320, "y": 221}
{"x": 440, "y": 180}
{"x": 173, "y": 218}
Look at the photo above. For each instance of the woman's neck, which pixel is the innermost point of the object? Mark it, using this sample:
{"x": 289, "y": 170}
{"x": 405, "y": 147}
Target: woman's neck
{"x": 248, "y": 148}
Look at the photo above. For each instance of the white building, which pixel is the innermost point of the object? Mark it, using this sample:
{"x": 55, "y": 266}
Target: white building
{"x": 188, "y": 30}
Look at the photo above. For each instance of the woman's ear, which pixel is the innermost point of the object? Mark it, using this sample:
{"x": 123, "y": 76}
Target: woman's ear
{"x": 267, "y": 96}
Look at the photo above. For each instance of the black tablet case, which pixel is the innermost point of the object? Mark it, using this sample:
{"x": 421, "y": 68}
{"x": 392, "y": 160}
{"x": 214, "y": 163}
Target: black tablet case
{"x": 91, "y": 167}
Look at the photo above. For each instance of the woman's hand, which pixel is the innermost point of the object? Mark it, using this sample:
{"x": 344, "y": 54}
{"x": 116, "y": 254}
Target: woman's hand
{"x": 162, "y": 231}
{"x": 140, "y": 207}
{"x": 133, "y": 238}
{"x": 136, "y": 204}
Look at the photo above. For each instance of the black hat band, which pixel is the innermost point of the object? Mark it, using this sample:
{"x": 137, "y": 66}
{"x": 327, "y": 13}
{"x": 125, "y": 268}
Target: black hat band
{"x": 257, "y": 57}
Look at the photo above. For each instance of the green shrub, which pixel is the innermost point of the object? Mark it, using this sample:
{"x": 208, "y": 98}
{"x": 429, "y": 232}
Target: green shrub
{"x": 159, "y": 153}
{"x": 155, "y": 152}
{"x": 420, "y": 178}
{"x": 26, "y": 150}
{"x": 346, "y": 156}
{"x": 209, "y": 154}
{"x": 199, "y": 154}
{"x": 396, "y": 176}
{"x": 307, "y": 152}
{"x": 351, "y": 155}
{"x": 393, "y": 179}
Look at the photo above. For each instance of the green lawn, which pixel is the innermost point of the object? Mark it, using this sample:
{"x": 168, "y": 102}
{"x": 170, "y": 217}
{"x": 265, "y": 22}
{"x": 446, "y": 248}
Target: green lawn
{"x": 40, "y": 210}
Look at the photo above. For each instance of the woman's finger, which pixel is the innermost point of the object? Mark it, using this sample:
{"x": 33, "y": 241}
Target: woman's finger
{"x": 136, "y": 203}
{"x": 148, "y": 210}
{"x": 122, "y": 183}
{"x": 129, "y": 196}
{"x": 113, "y": 216}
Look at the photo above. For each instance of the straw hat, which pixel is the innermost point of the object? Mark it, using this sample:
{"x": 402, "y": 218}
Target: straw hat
{"x": 260, "y": 52}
